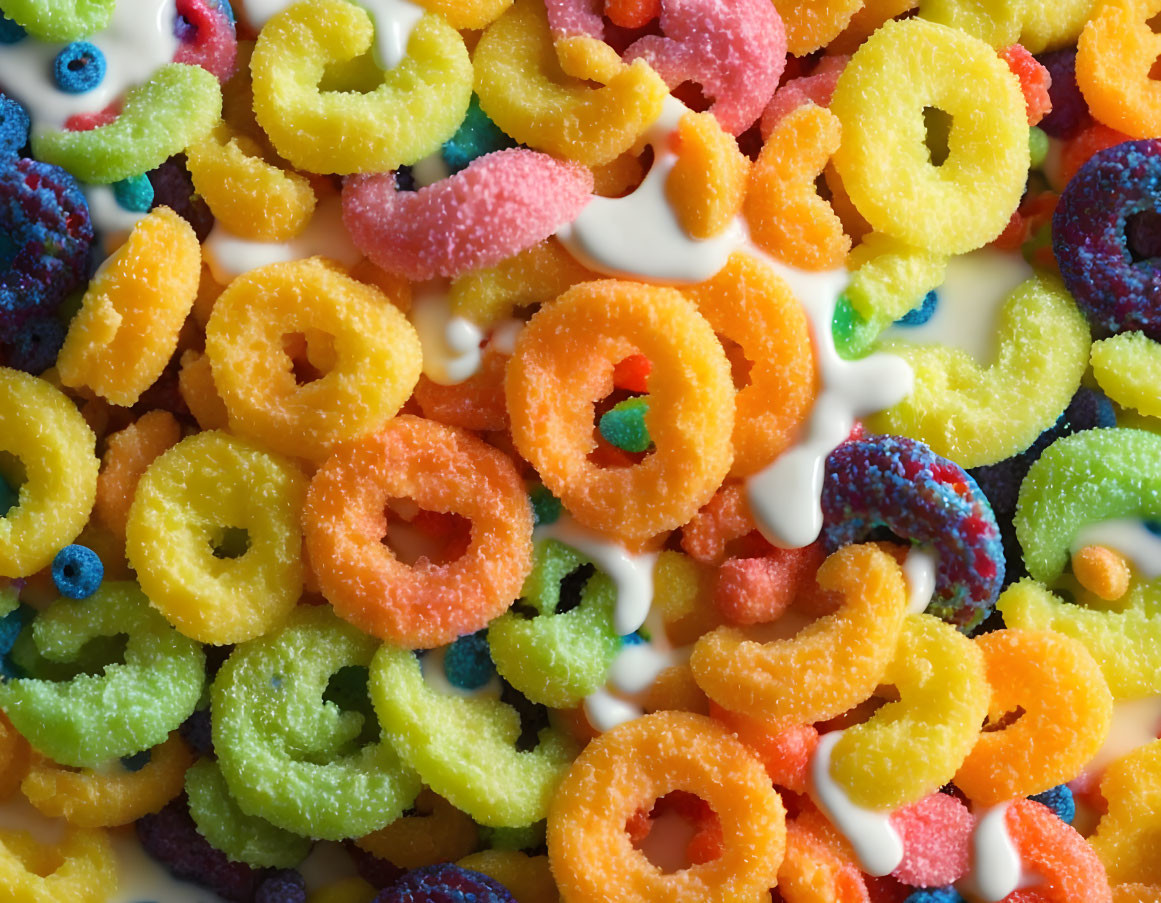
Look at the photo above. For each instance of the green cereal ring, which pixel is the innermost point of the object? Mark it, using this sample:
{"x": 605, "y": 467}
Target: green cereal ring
{"x": 48, "y": 450}
{"x": 162, "y": 117}
{"x": 557, "y": 659}
{"x": 59, "y": 20}
{"x": 1128, "y": 368}
{"x": 89, "y": 720}
{"x": 409, "y": 114}
{"x": 242, "y": 837}
{"x": 465, "y": 747}
{"x": 289, "y": 755}
{"x": 979, "y": 415}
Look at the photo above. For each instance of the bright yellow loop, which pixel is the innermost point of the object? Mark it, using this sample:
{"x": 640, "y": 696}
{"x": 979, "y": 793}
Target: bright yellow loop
{"x": 79, "y": 869}
{"x": 1126, "y": 838}
{"x": 1128, "y": 369}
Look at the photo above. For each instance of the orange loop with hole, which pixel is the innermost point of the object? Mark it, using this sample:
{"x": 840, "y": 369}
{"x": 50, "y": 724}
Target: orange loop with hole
{"x": 1115, "y": 57}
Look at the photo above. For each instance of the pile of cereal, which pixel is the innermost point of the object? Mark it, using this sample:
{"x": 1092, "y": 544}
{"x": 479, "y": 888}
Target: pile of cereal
{"x": 580, "y": 451}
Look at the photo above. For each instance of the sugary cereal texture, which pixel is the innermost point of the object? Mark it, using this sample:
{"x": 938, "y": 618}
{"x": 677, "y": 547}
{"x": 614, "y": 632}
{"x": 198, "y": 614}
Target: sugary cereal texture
{"x": 1068, "y": 866}
{"x": 128, "y": 453}
{"x": 437, "y": 883}
{"x": 1127, "y": 835}
{"x": 811, "y": 24}
{"x": 528, "y": 878}
{"x": 436, "y": 832}
{"x": 410, "y": 112}
{"x": 635, "y": 764}
{"x": 1115, "y": 56}
{"x": 708, "y": 182}
{"x": 884, "y": 160}
{"x": 818, "y": 866}
{"x": 936, "y": 834}
{"x": 59, "y": 20}
{"x": 1066, "y": 708}
{"x": 1128, "y": 368}
{"x": 81, "y": 868}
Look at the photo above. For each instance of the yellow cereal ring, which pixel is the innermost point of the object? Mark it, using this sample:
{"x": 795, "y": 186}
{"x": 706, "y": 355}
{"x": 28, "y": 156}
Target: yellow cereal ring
{"x": 528, "y": 878}
{"x": 1128, "y": 369}
{"x": 912, "y": 747}
{"x": 866, "y": 22}
{"x": 412, "y": 110}
{"x": 1067, "y": 710}
{"x": 81, "y": 868}
{"x": 631, "y": 766}
{"x": 811, "y": 24}
{"x": 206, "y": 492}
{"x": 437, "y": 832}
{"x": 1048, "y": 24}
{"x": 377, "y": 357}
{"x": 996, "y": 23}
{"x": 14, "y": 758}
{"x": 785, "y": 213}
{"x": 43, "y": 431}
{"x": 116, "y": 796}
{"x": 708, "y": 183}
{"x": 979, "y": 415}
{"x": 800, "y": 680}
{"x": 564, "y": 364}
{"x": 473, "y": 14}
{"x": 249, "y": 196}
{"x": 126, "y": 330}
{"x": 749, "y": 304}
{"x": 1115, "y": 55}
{"x": 905, "y": 67}
{"x": 525, "y": 92}
{"x": 1126, "y": 837}
{"x": 195, "y": 382}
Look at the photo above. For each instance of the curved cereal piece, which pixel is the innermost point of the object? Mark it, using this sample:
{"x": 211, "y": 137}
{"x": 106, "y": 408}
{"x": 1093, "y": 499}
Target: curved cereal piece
{"x": 910, "y": 748}
{"x": 979, "y": 415}
{"x": 128, "y": 453}
{"x": 15, "y": 756}
{"x": 195, "y": 382}
{"x": 410, "y": 112}
{"x": 708, "y": 182}
{"x": 1126, "y": 836}
{"x": 524, "y": 91}
{"x": 748, "y": 303}
{"x": 785, "y": 751}
{"x": 81, "y": 868}
{"x": 1067, "y": 867}
{"x": 818, "y": 867}
{"x": 800, "y": 680}
{"x": 1038, "y": 25}
{"x": 816, "y": 88}
{"x": 866, "y": 22}
{"x": 1114, "y": 56}
{"x": 436, "y": 832}
{"x": 528, "y": 878}
{"x": 997, "y": 24}
{"x": 630, "y": 767}
{"x": 884, "y": 160}
{"x": 467, "y": 14}
{"x": 475, "y": 404}
{"x": 105, "y": 798}
{"x": 60, "y": 20}
{"x": 812, "y": 24}
{"x": 128, "y": 324}
{"x": 786, "y": 215}
{"x": 1128, "y": 369}
{"x": 1067, "y": 709}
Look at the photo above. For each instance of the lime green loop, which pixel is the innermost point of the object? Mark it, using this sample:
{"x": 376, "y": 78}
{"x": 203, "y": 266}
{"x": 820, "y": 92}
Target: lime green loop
{"x": 242, "y": 837}
{"x": 93, "y": 718}
{"x": 557, "y": 659}
{"x": 162, "y": 117}
{"x": 465, "y": 747}
{"x": 293, "y": 758}
{"x": 59, "y": 20}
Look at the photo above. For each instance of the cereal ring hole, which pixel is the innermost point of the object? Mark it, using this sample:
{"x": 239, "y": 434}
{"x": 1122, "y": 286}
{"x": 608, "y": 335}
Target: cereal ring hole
{"x": 347, "y": 689}
{"x": 230, "y": 542}
{"x": 1143, "y": 234}
{"x": 418, "y": 537}
{"x": 740, "y": 365}
{"x": 311, "y": 357}
{"x": 673, "y": 833}
{"x": 12, "y": 477}
{"x": 938, "y": 124}
{"x": 1004, "y": 721}
{"x": 605, "y": 454}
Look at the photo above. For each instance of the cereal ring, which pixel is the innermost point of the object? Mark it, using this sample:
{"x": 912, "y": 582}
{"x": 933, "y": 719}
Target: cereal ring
{"x": 884, "y": 161}
{"x": 195, "y": 383}
{"x": 77, "y": 572}
{"x": 475, "y": 404}
{"x": 316, "y": 770}
{"x": 443, "y": 469}
{"x": 208, "y": 38}
{"x": 798, "y": 680}
{"x": 374, "y": 365}
{"x": 569, "y": 350}
{"x": 1115, "y": 54}
{"x": 912, "y": 747}
{"x": 523, "y": 89}
{"x": 465, "y": 747}
{"x": 1068, "y": 868}
{"x": 818, "y": 866}
{"x": 195, "y": 500}
{"x": 127, "y": 328}
{"x": 527, "y": 878}
{"x": 630, "y": 767}
{"x": 812, "y": 24}
{"x": 406, "y": 115}
{"x": 1125, "y": 835}
{"x": 503, "y": 203}
{"x": 1112, "y": 278}
{"x": 81, "y": 868}
{"x": 92, "y": 718}
{"x": 128, "y": 453}
{"x": 936, "y": 834}
{"x": 60, "y": 20}
{"x": 437, "y": 832}
{"x": 104, "y": 798}
{"x": 866, "y": 483}
{"x": 750, "y": 305}
{"x": 707, "y": 184}
{"x": 41, "y": 428}
{"x": 997, "y": 24}
{"x": 1128, "y": 368}
{"x": 177, "y": 106}
{"x": 978, "y": 415}
{"x": 473, "y": 14}
{"x": 1070, "y": 113}
{"x": 440, "y": 883}
{"x": 15, "y": 755}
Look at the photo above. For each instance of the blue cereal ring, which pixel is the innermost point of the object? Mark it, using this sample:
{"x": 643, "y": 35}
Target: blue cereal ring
{"x": 14, "y": 126}
{"x": 35, "y": 346}
{"x": 77, "y": 572}
{"x": 1060, "y": 800}
{"x": 445, "y": 883}
{"x": 79, "y": 67}
{"x": 467, "y": 664}
{"x": 1104, "y": 217}
{"x": 902, "y": 485}
{"x": 476, "y": 137}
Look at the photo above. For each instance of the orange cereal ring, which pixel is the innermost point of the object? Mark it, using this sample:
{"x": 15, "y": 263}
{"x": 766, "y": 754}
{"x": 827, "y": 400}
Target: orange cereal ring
{"x": 818, "y": 867}
{"x": 1066, "y": 867}
{"x": 811, "y": 24}
{"x": 442, "y": 469}
{"x": 475, "y": 404}
{"x": 568, "y": 351}
{"x": 630, "y": 767}
{"x": 117, "y": 796}
{"x": 462, "y": 14}
{"x": 801, "y": 680}
{"x": 749, "y": 304}
{"x": 708, "y": 182}
{"x": 437, "y": 832}
{"x": 377, "y": 356}
{"x": 1067, "y": 711}
{"x": 14, "y": 757}
{"x": 81, "y": 868}
{"x": 1115, "y": 55}
{"x": 195, "y": 382}
{"x": 1126, "y": 837}
{"x": 785, "y": 213}
{"x": 128, "y": 324}
{"x": 128, "y": 453}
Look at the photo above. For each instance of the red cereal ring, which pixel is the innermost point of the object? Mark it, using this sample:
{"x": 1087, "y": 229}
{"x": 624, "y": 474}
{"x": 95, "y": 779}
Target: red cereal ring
{"x": 442, "y": 469}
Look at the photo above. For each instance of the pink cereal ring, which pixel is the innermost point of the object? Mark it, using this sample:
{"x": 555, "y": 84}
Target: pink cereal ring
{"x": 936, "y": 834}
{"x": 735, "y": 51}
{"x": 1068, "y": 868}
{"x": 212, "y": 43}
{"x": 503, "y": 203}
{"x": 815, "y": 88}
{"x": 574, "y": 19}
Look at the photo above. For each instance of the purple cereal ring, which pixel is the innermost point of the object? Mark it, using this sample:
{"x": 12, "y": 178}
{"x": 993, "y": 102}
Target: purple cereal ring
{"x": 902, "y": 485}
{"x": 1106, "y": 235}
{"x": 445, "y": 884}
{"x": 501, "y": 204}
